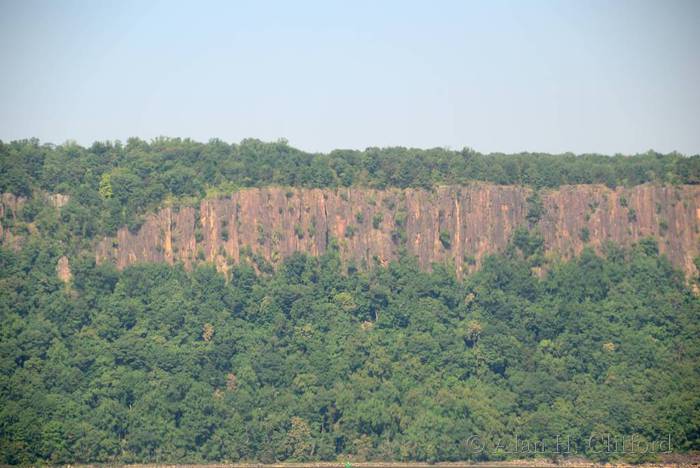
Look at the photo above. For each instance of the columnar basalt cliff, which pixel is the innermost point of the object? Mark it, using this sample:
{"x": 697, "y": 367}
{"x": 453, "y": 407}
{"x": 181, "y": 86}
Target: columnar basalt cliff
{"x": 457, "y": 225}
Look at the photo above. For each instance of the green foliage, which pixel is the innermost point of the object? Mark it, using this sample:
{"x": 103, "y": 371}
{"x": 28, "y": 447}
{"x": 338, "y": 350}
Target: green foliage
{"x": 469, "y": 260}
{"x": 318, "y": 360}
{"x": 312, "y": 227}
{"x": 529, "y": 245}
{"x": 299, "y": 231}
{"x": 158, "y": 364}
{"x": 445, "y": 239}
{"x": 400, "y": 218}
{"x": 535, "y": 209}
{"x": 345, "y": 301}
{"x": 350, "y": 231}
{"x": 261, "y": 234}
{"x": 585, "y": 234}
{"x": 115, "y": 183}
{"x": 105, "y": 186}
{"x": 398, "y": 235}
{"x": 649, "y": 246}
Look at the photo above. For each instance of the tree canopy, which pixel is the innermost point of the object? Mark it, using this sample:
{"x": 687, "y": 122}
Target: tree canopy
{"x": 112, "y": 183}
{"x": 315, "y": 359}
{"x": 315, "y": 362}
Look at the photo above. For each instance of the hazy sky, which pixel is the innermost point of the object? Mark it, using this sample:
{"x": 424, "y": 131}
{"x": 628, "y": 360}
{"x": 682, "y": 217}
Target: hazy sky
{"x": 582, "y": 76}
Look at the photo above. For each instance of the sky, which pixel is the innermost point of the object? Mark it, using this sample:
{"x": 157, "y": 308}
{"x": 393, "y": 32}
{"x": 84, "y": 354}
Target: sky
{"x": 496, "y": 76}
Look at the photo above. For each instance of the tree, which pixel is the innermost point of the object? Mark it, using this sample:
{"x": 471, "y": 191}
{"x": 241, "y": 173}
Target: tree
{"x": 105, "y": 186}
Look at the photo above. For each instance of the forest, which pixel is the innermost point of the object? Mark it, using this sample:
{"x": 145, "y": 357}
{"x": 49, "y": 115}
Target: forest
{"x": 313, "y": 360}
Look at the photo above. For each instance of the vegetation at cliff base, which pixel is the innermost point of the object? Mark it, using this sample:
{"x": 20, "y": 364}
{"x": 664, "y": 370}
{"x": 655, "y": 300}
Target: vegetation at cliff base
{"x": 312, "y": 362}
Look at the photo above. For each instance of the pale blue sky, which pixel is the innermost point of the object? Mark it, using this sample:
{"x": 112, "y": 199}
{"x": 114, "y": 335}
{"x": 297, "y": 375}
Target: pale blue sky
{"x": 555, "y": 76}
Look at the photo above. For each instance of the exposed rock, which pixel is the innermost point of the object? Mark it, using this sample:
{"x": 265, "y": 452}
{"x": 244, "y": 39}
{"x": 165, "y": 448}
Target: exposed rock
{"x": 669, "y": 214}
{"x": 63, "y": 270}
{"x": 57, "y": 200}
{"x": 457, "y": 225}
{"x": 10, "y": 205}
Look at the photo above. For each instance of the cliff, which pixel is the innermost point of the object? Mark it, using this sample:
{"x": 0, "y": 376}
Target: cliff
{"x": 457, "y": 225}
{"x": 10, "y": 207}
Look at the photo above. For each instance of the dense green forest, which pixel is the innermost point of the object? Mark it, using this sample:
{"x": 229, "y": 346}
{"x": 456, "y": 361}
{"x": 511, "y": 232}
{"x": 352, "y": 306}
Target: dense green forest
{"x": 315, "y": 362}
{"x": 112, "y": 184}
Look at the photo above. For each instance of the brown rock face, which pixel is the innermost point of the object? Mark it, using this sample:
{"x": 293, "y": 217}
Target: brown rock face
{"x": 57, "y": 200}
{"x": 63, "y": 270}
{"x": 671, "y": 215}
{"x": 10, "y": 206}
{"x": 457, "y": 225}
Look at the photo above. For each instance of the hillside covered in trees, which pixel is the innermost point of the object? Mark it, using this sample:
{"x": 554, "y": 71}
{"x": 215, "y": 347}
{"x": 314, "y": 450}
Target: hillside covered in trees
{"x": 155, "y": 364}
{"x": 314, "y": 358}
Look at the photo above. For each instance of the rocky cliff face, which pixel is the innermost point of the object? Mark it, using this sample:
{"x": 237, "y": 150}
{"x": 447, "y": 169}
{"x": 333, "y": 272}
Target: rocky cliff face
{"x": 457, "y": 225}
{"x": 10, "y": 206}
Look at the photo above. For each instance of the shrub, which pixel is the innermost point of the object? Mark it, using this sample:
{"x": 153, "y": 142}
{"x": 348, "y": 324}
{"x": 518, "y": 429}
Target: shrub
{"x": 445, "y": 239}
